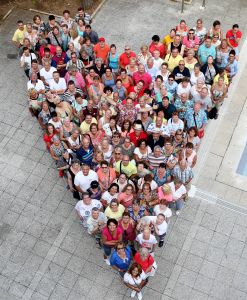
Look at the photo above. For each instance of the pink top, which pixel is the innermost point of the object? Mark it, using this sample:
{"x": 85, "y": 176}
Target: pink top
{"x": 145, "y": 77}
{"x": 78, "y": 79}
{"x": 108, "y": 235}
{"x": 161, "y": 195}
{"x": 191, "y": 43}
{"x": 125, "y": 200}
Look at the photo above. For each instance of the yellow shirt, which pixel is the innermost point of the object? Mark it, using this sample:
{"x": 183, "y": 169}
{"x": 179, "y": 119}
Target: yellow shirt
{"x": 190, "y": 66}
{"x": 85, "y": 126}
{"x": 167, "y": 40}
{"x": 172, "y": 62}
{"x": 19, "y": 35}
{"x": 226, "y": 81}
{"x": 115, "y": 215}
{"x": 128, "y": 170}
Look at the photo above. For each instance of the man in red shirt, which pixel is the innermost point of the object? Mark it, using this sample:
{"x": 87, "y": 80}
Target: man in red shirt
{"x": 101, "y": 50}
{"x": 157, "y": 45}
{"x": 142, "y": 75}
{"x": 137, "y": 135}
{"x": 124, "y": 58}
{"x": 233, "y": 37}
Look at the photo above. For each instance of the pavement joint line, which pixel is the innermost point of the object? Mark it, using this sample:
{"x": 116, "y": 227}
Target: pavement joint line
{"x": 208, "y": 140}
{"x": 50, "y": 255}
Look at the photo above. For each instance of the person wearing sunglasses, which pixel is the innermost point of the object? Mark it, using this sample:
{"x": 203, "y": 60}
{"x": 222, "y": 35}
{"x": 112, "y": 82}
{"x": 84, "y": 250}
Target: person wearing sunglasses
{"x": 181, "y": 71}
{"x": 124, "y": 58}
{"x": 121, "y": 258}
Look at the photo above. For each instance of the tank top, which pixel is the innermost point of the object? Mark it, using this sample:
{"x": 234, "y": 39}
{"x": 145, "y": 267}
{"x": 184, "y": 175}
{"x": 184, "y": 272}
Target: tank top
{"x": 129, "y": 233}
{"x": 113, "y": 61}
{"x": 189, "y": 159}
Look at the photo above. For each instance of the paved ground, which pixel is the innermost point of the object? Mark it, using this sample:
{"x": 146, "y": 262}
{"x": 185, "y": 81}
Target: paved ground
{"x": 45, "y": 254}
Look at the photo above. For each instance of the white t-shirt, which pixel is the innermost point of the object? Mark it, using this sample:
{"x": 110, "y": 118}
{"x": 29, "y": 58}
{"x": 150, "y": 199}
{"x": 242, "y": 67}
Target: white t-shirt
{"x": 134, "y": 281}
{"x": 60, "y": 85}
{"x": 173, "y": 127}
{"x": 39, "y": 85}
{"x": 48, "y": 75}
{"x": 167, "y": 213}
{"x": 85, "y": 181}
{"x": 153, "y": 184}
{"x": 158, "y": 62}
{"x": 146, "y": 243}
{"x": 182, "y": 90}
{"x": 140, "y": 155}
{"x": 27, "y": 60}
{"x": 85, "y": 210}
{"x": 108, "y": 197}
{"x": 176, "y": 194}
{"x": 152, "y": 219}
{"x": 91, "y": 222}
{"x": 57, "y": 125}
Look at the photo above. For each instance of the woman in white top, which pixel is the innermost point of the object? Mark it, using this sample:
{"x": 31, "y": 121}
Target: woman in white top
{"x": 189, "y": 155}
{"x": 163, "y": 208}
{"x": 192, "y": 137}
{"x": 135, "y": 280}
{"x": 174, "y": 123}
{"x": 111, "y": 193}
{"x": 122, "y": 181}
{"x": 74, "y": 140}
{"x": 111, "y": 127}
{"x": 179, "y": 193}
{"x": 106, "y": 148}
{"x": 164, "y": 72}
{"x": 196, "y": 74}
{"x": 142, "y": 151}
{"x": 184, "y": 87}
{"x": 106, "y": 112}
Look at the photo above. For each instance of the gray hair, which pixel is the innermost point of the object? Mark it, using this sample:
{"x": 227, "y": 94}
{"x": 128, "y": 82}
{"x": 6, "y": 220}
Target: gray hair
{"x": 98, "y": 60}
{"x": 144, "y": 252}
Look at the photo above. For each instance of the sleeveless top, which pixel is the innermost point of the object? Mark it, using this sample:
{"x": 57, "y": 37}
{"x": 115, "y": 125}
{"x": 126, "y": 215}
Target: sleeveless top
{"x": 179, "y": 47}
{"x": 109, "y": 82}
{"x": 129, "y": 233}
{"x": 113, "y": 61}
{"x": 189, "y": 159}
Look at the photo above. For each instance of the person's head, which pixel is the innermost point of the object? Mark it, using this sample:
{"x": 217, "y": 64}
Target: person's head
{"x": 112, "y": 224}
{"x": 197, "y": 68}
{"x": 150, "y": 62}
{"x": 210, "y": 60}
{"x": 175, "y": 116}
{"x": 126, "y": 217}
{"x": 166, "y": 189}
{"x": 191, "y": 34}
{"x": 126, "y": 159}
{"x": 157, "y": 151}
{"x": 76, "y": 164}
{"x": 182, "y": 164}
{"x": 142, "y": 143}
{"x": 29, "y": 27}
{"x": 37, "y": 20}
{"x": 148, "y": 178}
{"x": 126, "y": 126}
{"x": 204, "y": 92}
{"x": 177, "y": 40}
{"x": 136, "y": 205}
{"x": 85, "y": 169}
{"x": 171, "y": 80}
{"x": 192, "y": 131}
{"x": 20, "y": 25}
{"x": 116, "y": 136}
{"x": 26, "y": 51}
{"x": 144, "y": 49}
{"x": 163, "y": 203}
{"x": 168, "y": 143}
{"x": 156, "y": 54}
{"x": 179, "y": 134}
{"x": 114, "y": 205}
{"x": 118, "y": 153}
{"x": 52, "y": 20}
{"x": 181, "y": 64}
{"x": 95, "y": 213}
{"x": 55, "y": 30}
{"x": 85, "y": 142}
{"x": 146, "y": 233}
{"x": 127, "y": 49}
{"x": 50, "y": 129}
{"x": 161, "y": 168}
{"x": 132, "y": 62}
{"x": 159, "y": 80}
{"x": 102, "y": 42}
{"x": 160, "y": 219}
{"x": 235, "y": 28}
{"x": 177, "y": 183}
{"x": 197, "y": 107}
{"x": 135, "y": 270}
{"x": 65, "y": 28}
{"x": 155, "y": 39}
{"x": 88, "y": 119}
{"x": 172, "y": 33}
{"x": 129, "y": 103}
{"x": 86, "y": 198}
{"x": 75, "y": 133}
{"x": 164, "y": 67}
{"x": 120, "y": 247}
{"x": 216, "y": 25}
{"x": 80, "y": 11}
{"x": 141, "y": 69}
{"x": 189, "y": 147}
{"x": 140, "y": 85}
{"x": 184, "y": 97}
{"x": 33, "y": 77}
{"x": 128, "y": 189}
{"x": 144, "y": 253}
{"x": 190, "y": 53}
{"x": 104, "y": 165}
{"x": 208, "y": 42}
{"x": 199, "y": 23}
{"x": 122, "y": 178}
{"x": 232, "y": 55}
{"x": 88, "y": 29}
{"x": 113, "y": 189}
{"x": 146, "y": 188}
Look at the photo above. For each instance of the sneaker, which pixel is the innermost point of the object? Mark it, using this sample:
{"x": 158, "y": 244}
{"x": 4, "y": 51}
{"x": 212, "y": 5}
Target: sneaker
{"x": 107, "y": 261}
{"x": 177, "y": 212}
{"x": 139, "y": 296}
{"x": 161, "y": 243}
{"x": 133, "y": 293}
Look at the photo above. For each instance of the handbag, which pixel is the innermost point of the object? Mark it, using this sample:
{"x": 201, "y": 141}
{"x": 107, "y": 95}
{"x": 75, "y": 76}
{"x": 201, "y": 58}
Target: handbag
{"x": 201, "y": 132}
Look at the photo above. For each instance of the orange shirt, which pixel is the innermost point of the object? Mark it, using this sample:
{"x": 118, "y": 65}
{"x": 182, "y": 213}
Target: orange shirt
{"x": 101, "y": 52}
{"x": 105, "y": 180}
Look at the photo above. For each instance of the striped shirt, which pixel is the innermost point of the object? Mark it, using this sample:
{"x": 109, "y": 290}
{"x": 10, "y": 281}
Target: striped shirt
{"x": 183, "y": 175}
{"x": 155, "y": 161}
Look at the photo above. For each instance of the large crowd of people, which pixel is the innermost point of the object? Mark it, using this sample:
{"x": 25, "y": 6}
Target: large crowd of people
{"x": 124, "y": 128}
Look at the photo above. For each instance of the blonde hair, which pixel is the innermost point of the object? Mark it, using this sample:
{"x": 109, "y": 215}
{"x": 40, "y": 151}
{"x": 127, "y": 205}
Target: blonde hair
{"x": 166, "y": 189}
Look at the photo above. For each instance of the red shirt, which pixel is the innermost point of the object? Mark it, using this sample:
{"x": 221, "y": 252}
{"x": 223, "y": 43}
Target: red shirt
{"x": 124, "y": 60}
{"x": 134, "y": 139}
{"x": 108, "y": 235}
{"x": 132, "y": 90}
{"x": 101, "y": 52}
{"x": 160, "y": 47}
{"x": 230, "y": 36}
{"x": 144, "y": 263}
{"x": 146, "y": 77}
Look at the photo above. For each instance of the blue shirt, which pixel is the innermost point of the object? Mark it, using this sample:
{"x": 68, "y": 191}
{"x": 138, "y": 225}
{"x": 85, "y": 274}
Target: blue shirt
{"x": 118, "y": 262}
{"x": 201, "y": 118}
{"x": 204, "y": 52}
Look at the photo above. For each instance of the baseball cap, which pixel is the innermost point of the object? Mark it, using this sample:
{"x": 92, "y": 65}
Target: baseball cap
{"x": 101, "y": 39}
